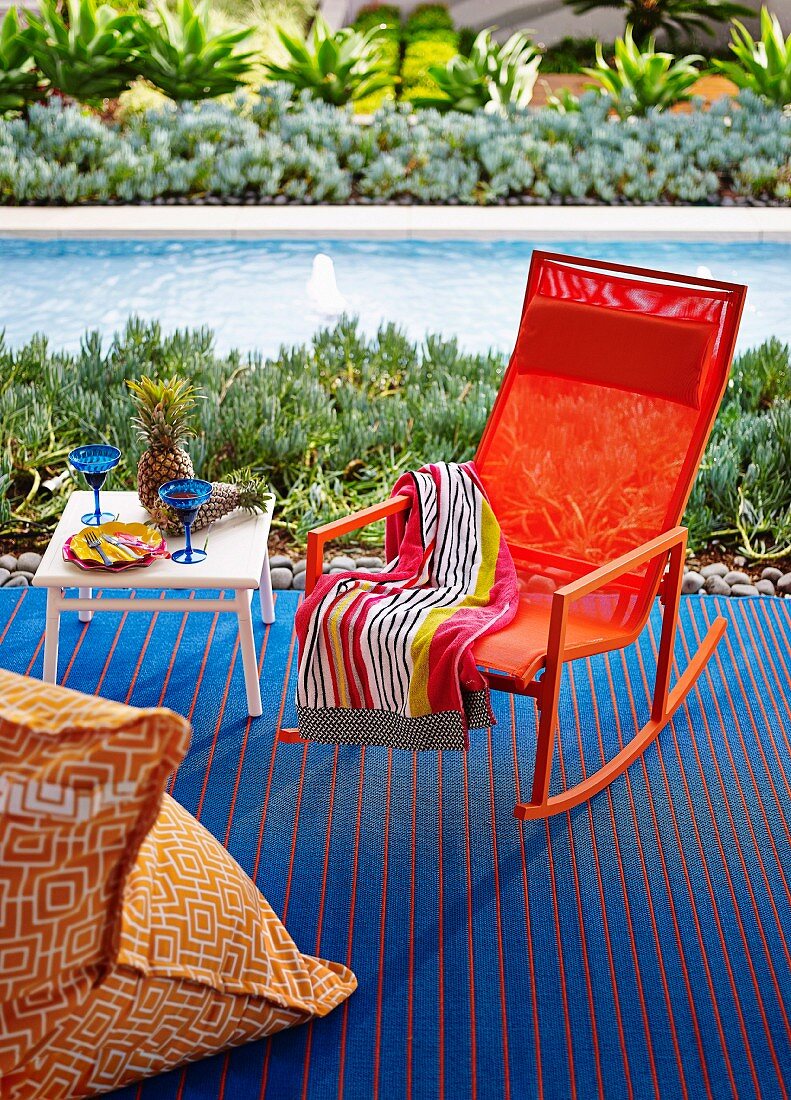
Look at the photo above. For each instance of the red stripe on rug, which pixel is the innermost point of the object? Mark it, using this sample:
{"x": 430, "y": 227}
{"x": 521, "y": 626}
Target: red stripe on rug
{"x": 13, "y": 614}
{"x": 143, "y": 650}
{"x": 440, "y": 941}
{"x": 600, "y": 883}
{"x": 77, "y": 648}
{"x": 561, "y": 970}
{"x": 528, "y": 926}
{"x": 499, "y": 924}
{"x": 113, "y": 646}
{"x": 218, "y": 723}
{"x": 294, "y": 833}
{"x": 352, "y": 902}
{"x": 410, "y": 1010}
{"x": 320, "y": 920}
{"x": 382, "y": 928}
{"x": 580, "y": 912}
{"x": 470, "y": 948}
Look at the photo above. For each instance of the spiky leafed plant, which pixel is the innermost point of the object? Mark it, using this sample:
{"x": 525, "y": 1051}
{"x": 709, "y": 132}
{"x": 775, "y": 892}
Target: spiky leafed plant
{"x": 643, "y": 78}
{"x": 493, "y": 77}
{"x": 86, "y": 52}
{"x": 182, "y": 57}
{"x": 677, "y": 18}
{"x": 20, "y": 84}
{"x": 164, "y": 409}
{"x": 335, "y": 66}
{"x": 763, "y": 66}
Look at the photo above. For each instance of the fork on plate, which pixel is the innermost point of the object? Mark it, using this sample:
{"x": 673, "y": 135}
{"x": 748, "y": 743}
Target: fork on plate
{"x": 93, "y": 542}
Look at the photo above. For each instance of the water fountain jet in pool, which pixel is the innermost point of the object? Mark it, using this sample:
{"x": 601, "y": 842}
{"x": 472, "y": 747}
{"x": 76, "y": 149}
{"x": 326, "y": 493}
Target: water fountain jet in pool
{"x": 322, "y": 287}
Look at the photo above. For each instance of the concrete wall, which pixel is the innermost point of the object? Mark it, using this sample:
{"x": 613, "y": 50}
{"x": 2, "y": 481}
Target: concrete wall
{"x": 550, "y": 20}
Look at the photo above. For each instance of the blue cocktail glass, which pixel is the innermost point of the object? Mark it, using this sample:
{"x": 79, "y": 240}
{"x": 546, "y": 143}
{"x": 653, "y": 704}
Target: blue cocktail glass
{"x": 95, "y": 461}
{"x": 185, "y": 495}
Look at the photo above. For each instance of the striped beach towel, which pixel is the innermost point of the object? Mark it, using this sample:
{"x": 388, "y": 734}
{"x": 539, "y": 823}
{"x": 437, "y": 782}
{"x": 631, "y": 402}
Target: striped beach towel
{"x": 386, "y": 658}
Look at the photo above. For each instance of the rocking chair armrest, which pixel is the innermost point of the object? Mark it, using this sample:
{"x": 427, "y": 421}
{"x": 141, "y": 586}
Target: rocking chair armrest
{"x": 321, "y": 535}
{"x": 596, "y": 579}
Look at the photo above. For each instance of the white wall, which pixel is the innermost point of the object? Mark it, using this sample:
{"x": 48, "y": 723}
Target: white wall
{"x": 550, "y": 20}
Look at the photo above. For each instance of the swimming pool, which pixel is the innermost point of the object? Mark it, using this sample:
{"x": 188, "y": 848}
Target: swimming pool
{"x": 259, "y": 294}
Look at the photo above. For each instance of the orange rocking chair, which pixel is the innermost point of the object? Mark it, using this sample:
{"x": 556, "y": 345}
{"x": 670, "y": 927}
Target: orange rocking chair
{"x": 588, "y": 458}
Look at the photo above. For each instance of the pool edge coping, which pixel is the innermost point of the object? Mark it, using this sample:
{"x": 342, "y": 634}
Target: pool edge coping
{"x": 399, "y": 222}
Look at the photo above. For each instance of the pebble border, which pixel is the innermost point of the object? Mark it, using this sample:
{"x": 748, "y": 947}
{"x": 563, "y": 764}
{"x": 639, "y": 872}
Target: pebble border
{"x": 713, "y": 580}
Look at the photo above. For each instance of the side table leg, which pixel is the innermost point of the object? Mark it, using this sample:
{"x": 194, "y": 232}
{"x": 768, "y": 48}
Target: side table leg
{"x": 50, "y": 673}
{"x": 265, "y": 594}
{"x": 242, "y": 601}
{"x": 85, "y": 594}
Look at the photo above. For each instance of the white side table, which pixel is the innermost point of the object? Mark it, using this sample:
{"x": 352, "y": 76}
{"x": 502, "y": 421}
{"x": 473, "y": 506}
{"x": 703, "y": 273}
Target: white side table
{"x": 237, "y": 560}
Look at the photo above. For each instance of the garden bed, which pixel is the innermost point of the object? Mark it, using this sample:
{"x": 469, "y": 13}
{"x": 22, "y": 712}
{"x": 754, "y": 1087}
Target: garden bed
{"x": 334, "y": 423}
{"x": 271, "y": 150}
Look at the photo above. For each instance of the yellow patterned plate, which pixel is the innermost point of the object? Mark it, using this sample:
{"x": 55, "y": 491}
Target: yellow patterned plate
{"x": 80, "y": 549}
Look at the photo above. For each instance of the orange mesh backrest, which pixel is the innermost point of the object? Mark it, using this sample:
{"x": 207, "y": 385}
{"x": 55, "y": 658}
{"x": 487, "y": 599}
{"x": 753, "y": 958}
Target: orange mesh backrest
{"x": 605, "y": 408}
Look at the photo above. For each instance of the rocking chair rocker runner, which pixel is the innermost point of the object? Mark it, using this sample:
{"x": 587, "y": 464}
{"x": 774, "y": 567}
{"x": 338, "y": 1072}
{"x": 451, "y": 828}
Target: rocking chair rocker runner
{"x": 588, "y": 458}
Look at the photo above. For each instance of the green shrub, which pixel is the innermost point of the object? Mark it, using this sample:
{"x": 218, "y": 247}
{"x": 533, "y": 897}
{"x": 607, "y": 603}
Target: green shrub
{"x": 762, "y": 66}
{"x": 334, "y": 66}
{"x": 387, "y": 19}
{"x": 181, "y": 56}
{"x": 87, "y": 53}
{"x": 20, "y": 84}
{"x": 642, "y": 78}
{"x": 429, "y": 21}
{"x": 419, "y": 58}
{"x": 467, "y": 36}
{"x": 493, "y": 78}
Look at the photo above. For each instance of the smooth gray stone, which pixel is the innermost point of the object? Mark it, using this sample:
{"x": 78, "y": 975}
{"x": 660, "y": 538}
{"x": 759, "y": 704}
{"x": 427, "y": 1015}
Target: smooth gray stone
{"x": 28, "y": 562}
{"x": 4, "y": 575}
{"x": 25, "y": 573}
{"x": 325, "y": 568}
{"x": 765, "y": 587}
{"x": 342, "y": 561}
{"x": 783, "y": 584}
{"x": 8, "y": 561}
{"x": 299, "y": 580}
{"x": 369, "y": 563}
{"x": 692, "y": 583}
{"x": 279, "y": 561}
{"x": 744, "y": 590}
{"x": 300, "y": 566}
{"x": 739, "y": 561}
{"x": 339, "y": 569}
{"x": 716, "y": 569}
{"x": 16, "y": 582}
{"x": 541, "y": 584}
{"x": 281, "y": 578}
{"x": 771, "y": 573}
{"x": 736, "y": 577}
{"x": 716, "y": 586}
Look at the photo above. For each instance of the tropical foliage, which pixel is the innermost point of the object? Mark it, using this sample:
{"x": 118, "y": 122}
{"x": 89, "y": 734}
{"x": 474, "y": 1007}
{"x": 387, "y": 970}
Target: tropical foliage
{"x": 642, "y": 78}
{"x": 180, "y": 55}
{"x": 85, "y": 51}
{"x": 677, "y": 18}
{"x": 20, "y": 84}
{"x": 763, "y": 66}
{"x": 339, "y": 445}
{"x": 494, "y": 77}
{"x": 334, "y": 66}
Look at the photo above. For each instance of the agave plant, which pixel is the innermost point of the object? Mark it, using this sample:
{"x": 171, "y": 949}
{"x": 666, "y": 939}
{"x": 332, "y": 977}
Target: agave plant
{"x": 763, "y": 66}
{"x": 643, "y": 78}
{"x": 675, "y": 17}
{"x": 19, "y": 82}
{"x": 181, "y": 56}
{"x": 86, "y": 52}
{"x": 335, "y": 66}
{"x": 493, "y": 77}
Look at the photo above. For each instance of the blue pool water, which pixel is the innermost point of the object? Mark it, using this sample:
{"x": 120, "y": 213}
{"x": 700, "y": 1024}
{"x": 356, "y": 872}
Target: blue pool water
{"x": 254, "y": 294}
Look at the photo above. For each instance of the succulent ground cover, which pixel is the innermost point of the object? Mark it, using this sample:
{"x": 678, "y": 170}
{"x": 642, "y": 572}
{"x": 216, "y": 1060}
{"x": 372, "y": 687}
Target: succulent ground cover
{"x": 333, "y": 423}
{"x": 270, "y": 149}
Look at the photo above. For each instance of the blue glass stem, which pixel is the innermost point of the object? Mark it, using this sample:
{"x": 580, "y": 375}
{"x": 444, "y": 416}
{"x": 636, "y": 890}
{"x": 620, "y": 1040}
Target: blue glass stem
{"x": 188, "y": 546}
{"x": 97, "y": 509}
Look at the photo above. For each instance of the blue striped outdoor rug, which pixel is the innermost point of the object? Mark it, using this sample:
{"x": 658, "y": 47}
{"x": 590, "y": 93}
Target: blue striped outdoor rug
{"x": 638, "y": 946}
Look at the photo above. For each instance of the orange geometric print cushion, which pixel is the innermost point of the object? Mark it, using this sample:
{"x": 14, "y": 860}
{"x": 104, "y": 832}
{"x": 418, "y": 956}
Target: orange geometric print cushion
{"x": 200, "y": 963}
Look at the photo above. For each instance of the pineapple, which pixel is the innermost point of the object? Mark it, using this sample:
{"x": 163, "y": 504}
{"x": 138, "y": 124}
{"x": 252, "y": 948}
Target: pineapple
{"x": 164, "y": 409}
{"x": 245, "y": 491}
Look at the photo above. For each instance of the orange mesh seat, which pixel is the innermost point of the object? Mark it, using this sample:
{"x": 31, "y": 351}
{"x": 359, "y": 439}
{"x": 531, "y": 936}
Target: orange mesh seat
{"x": 588, "y": 458}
